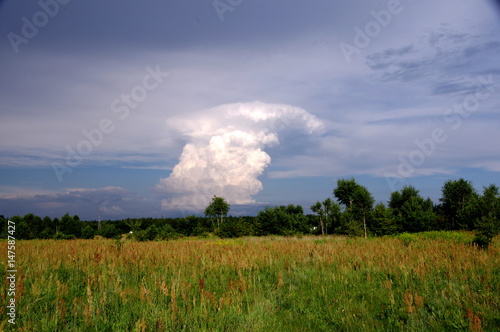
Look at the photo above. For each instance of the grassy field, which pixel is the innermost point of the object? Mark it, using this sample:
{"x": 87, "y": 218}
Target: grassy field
{"x": 427, "y": 282}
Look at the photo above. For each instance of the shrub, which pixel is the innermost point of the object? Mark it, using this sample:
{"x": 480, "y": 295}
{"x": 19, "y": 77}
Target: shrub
{"x": 108, "y": 231}
{"x": 234, "y": 228}
{"x": 487, "y": 230}
{"x": 167, "y": 232}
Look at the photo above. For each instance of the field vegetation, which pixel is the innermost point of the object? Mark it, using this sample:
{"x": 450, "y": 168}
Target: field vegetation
{"x": 434, "y": 281}
{"x": 410, "y": 265}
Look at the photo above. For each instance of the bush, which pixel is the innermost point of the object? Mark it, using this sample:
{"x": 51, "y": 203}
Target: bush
{"x": 139, "y": 235}
{"x": 234, "y": 228}
{"x": 482, "y": 241}
{"x": 108, "y": 231}
{"x": 87, "y": 232}
{"x": 201, "y": 231}
{"x": 487, "y": 230}
{"x": 167, "y": 232}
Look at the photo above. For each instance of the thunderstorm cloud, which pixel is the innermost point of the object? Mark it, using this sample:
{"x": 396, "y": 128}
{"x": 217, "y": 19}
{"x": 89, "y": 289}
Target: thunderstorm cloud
{"x": 224, "y": 154}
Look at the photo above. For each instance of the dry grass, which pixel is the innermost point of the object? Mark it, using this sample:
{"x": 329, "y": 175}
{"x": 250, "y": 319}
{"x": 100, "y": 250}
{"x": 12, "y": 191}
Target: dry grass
{"x": 252, "y": 284}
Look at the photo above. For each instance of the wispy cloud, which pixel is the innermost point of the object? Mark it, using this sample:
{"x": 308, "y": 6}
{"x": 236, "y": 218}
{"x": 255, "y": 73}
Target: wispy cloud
{"x": 108, "y": 201}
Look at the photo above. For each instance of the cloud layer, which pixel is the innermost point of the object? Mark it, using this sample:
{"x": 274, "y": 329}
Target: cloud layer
{"x": 225, "y": 153}
{"x": 396, "y": 90}
{"x": 89, "y": 203}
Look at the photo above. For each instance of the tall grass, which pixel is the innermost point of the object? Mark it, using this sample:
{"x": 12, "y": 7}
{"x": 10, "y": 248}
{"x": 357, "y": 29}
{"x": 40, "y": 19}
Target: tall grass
{"x": 256, "y": 284}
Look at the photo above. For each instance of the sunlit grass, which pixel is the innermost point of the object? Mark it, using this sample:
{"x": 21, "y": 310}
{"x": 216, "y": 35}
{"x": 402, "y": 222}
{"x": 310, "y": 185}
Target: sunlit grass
{"x": 332, "y": 283}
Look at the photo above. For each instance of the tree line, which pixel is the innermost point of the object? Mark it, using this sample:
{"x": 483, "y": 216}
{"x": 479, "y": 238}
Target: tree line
{"x": 350, "y": 211}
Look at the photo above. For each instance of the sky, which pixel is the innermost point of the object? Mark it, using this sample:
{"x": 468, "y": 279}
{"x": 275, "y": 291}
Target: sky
{"x": 125, "y": 109}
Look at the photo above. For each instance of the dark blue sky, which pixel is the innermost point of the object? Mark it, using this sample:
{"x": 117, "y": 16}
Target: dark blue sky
{"x": 149, "y": 108}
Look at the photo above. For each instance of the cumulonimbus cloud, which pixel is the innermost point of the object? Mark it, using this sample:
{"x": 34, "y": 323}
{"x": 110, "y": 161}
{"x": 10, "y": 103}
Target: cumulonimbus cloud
{"x": 225, "y": 153}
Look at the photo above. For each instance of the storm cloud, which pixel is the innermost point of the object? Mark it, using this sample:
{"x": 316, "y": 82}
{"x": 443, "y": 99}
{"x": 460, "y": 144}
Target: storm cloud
{"x": 225, "y": 153}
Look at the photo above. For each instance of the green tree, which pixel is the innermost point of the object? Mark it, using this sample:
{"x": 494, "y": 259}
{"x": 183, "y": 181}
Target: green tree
{"x": 332, "y": 210}
{"x": 71, "y": 226}
{"x": 88, "y": 231}
{"x": 345, "y": 192}
{"x": 282, "y": 220}
{"x": 412, "y": 212}
{"x": 108, "y": 230}
{"x": 190, "y": 222}
{"x": 235, "y": 227}
{"x": 134, "y": 224}
{"x": 487, "y": 225}
{"x": 217, "y": 209}
{"x": 318, "y": 208}
{"x": 272, "y": 221}
{"x": 399, "y": 198}
{"x": 328, "y": 212}
{"x": 456, "y": 194}
{"x": 48, "y": 229}
{"x": 358, "y": 203}
{"x": 22, "y": 228}
{"x": 167, "y": 232}
{"x": 3, "y": 227}
{"x": 34, "y": 224}
{"x": 297, "y": 220}
{"x": 490, "y": 202}
{"x": 57, "y": 224}
{"x": 383, "y": 221}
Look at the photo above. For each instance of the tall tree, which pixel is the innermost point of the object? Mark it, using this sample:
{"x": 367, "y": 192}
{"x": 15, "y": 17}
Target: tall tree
{"x": 34, "y": 224}
{"x": 363, "y": 204}
{"x": 399, "y": 198}
{"x": 22, "y": 228}
{"x": 218, "y": 209}
{"x": 4, "y": 226}
{"x": 383, "y": 221}
{"x": 318, "y": 208}
{"x": 332, "y": 210}
{"x": 490, "y": 202}
{"x": 48, "y": 229}
{"x": 71, "y": 226}
{"x": 345, "y": 192}
{"x": 282, "y": 220}
{"x": 296, "y": 219}
{"x": 358, "y": 201}
{"x": 456, "y": 194}
{"x": 488, "y": 224}
{"x": 412, "y": 212}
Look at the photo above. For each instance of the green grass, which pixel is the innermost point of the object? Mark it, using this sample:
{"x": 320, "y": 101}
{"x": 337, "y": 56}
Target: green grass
{"x": 455, "y": 236}
{"x": 435, "y": 282}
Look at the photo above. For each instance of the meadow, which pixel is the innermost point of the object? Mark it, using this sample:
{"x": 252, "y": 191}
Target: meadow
{"x": 423, "y": 282}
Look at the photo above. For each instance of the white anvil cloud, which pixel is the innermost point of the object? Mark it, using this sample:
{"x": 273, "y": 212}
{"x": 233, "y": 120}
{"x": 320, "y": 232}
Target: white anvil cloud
{"x": 225, "y": 154}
